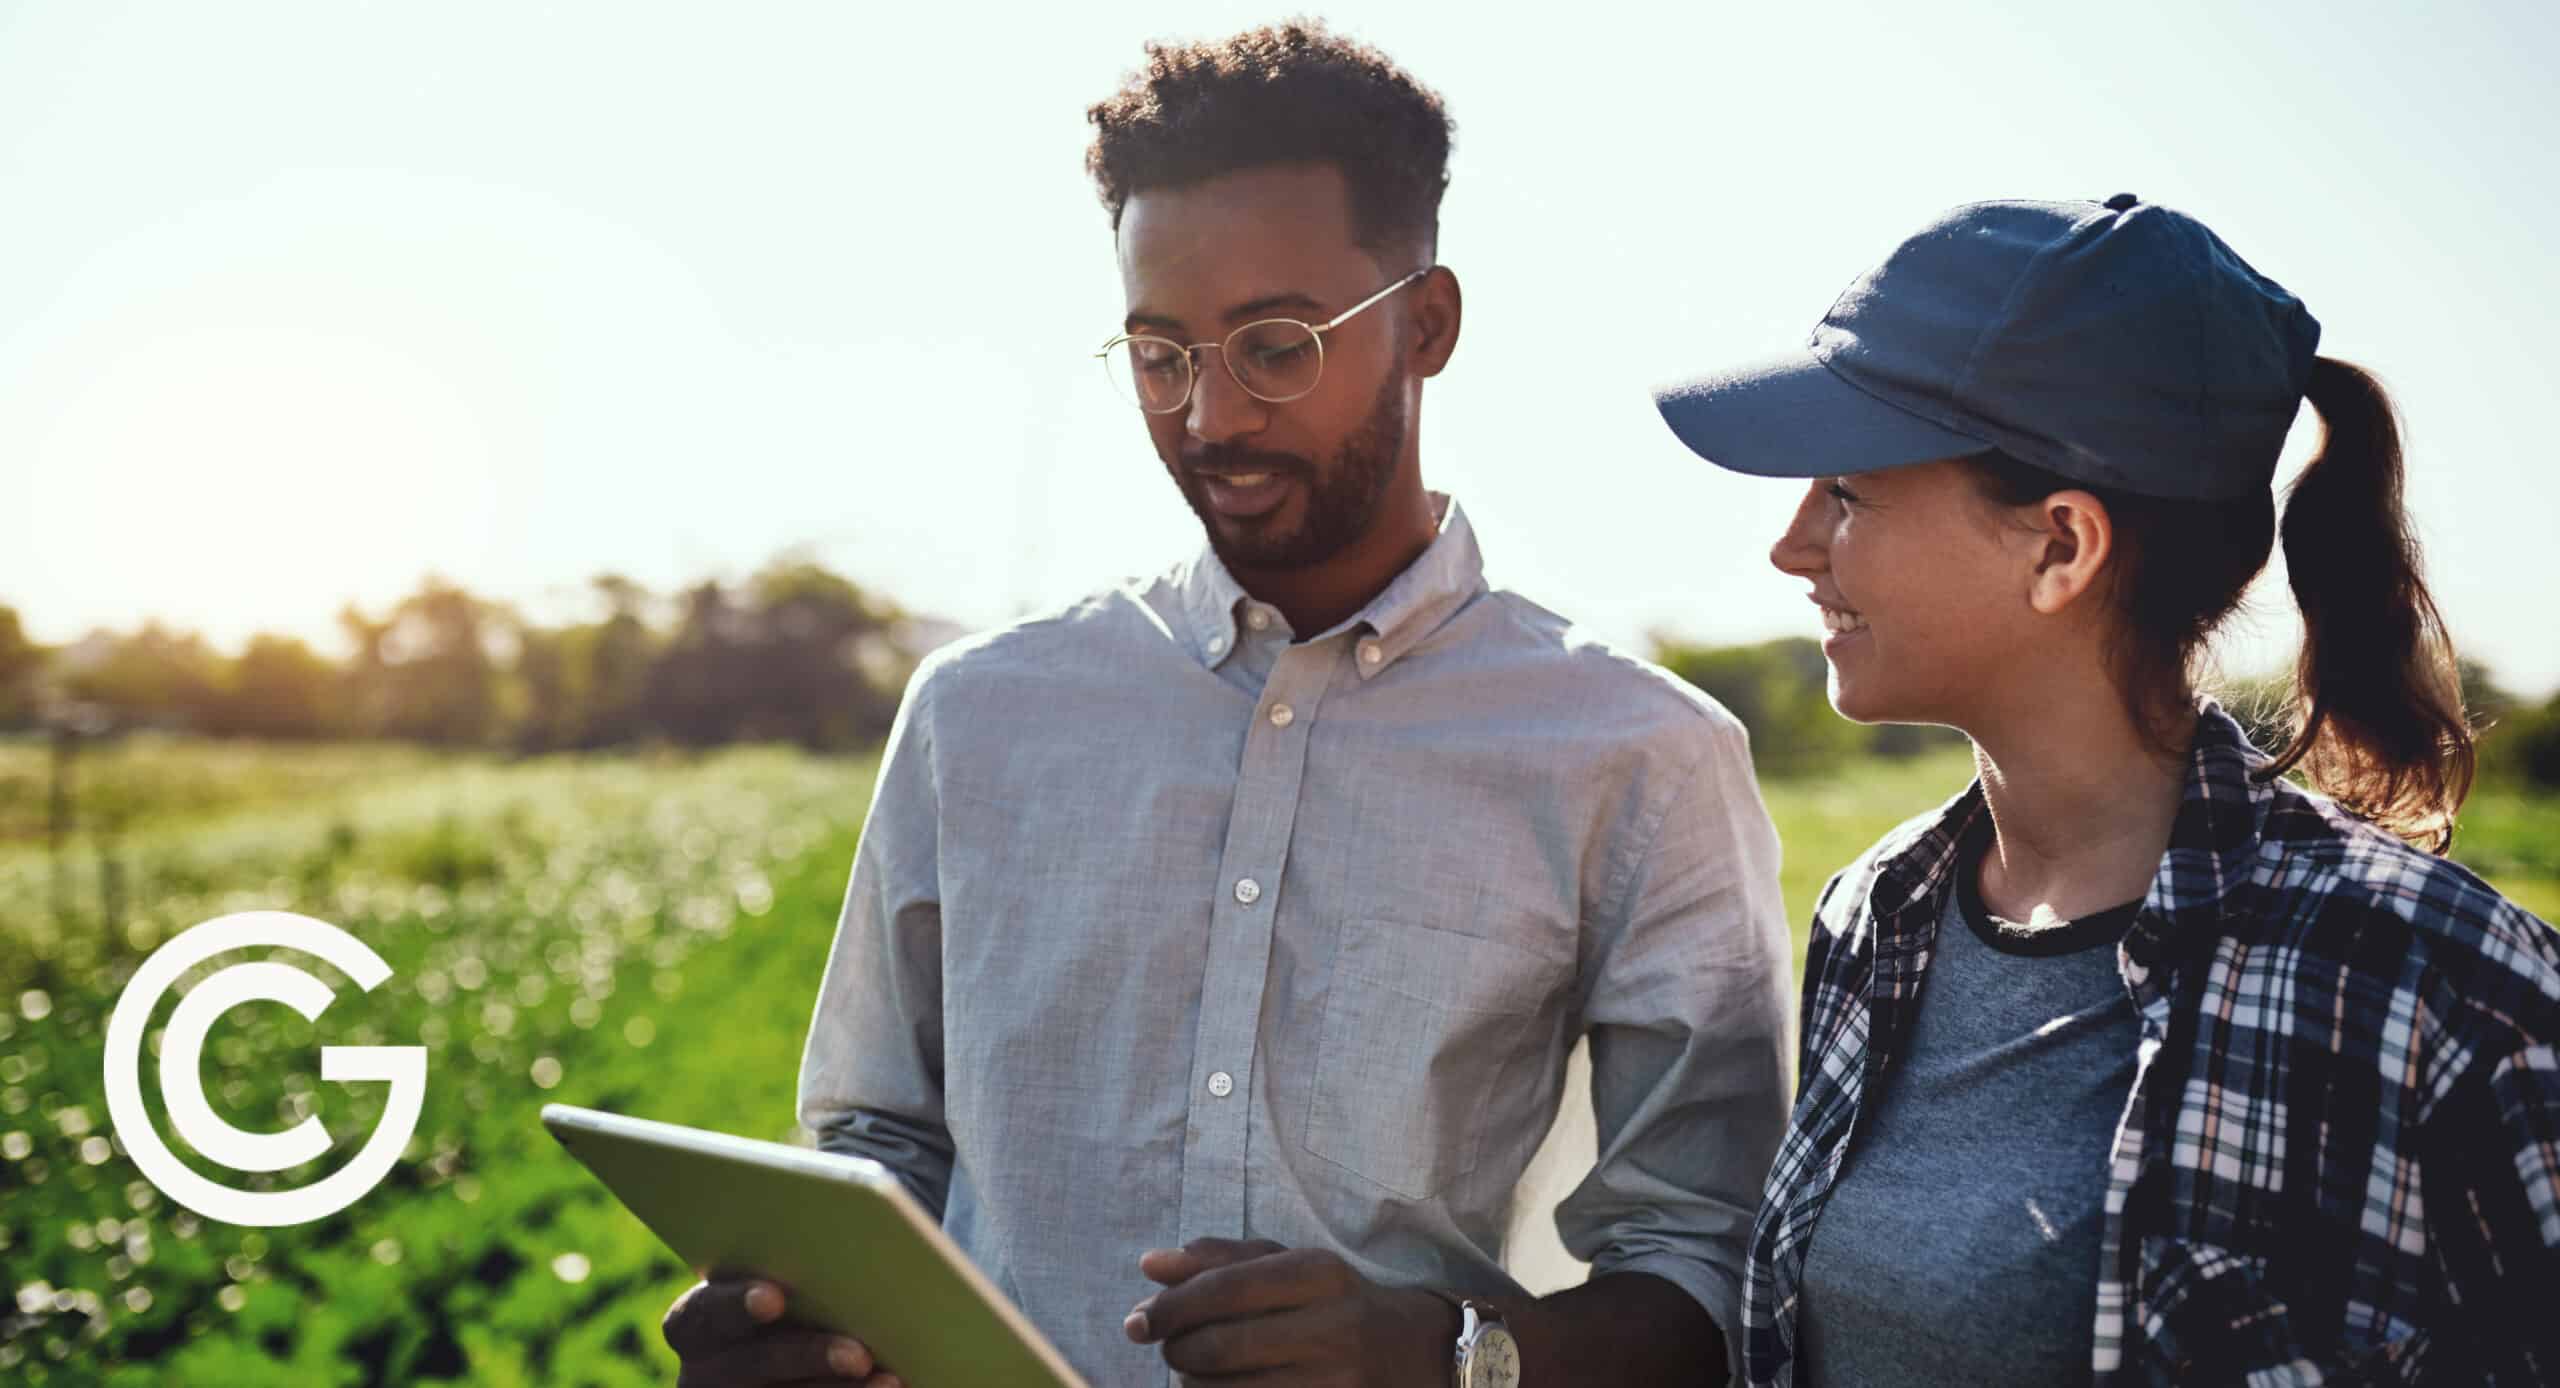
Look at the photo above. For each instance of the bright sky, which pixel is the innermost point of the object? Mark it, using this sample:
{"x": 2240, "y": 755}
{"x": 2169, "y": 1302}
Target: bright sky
{"x": 301, "y": 302}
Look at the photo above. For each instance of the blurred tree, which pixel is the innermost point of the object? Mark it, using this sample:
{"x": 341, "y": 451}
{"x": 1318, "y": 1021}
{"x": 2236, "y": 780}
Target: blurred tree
{"x": 704, "y": 686}
{"x": 153, "y": 676}
{"x": 2523, "y": 747}
{"x": 20, "y": 660}
{"x": 553, "y": 689}
{"x": 828, "y": 673}
{"x": 1779, "y": 689}
{"x": 609, "y": 661}
{"x": 1910, "y": 739}
{"x": 2488, "y": 702}
{"x": 364, "y": 682}
{"x": 440, "y": 678}
{"x": 280, "y": 688}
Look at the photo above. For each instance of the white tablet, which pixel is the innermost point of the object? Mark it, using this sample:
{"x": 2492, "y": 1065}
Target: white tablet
{"x": 857, "y": 1253}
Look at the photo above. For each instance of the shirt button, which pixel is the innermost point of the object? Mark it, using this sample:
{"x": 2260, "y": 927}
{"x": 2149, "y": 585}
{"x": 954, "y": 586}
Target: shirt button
{"x": 1282, "y": 715}
{"x": 1217, "y": 644}
{"x": 1248, "y": 891}
{"x": 1257, "y": 619}
{"x": 1222, "y": 1084}
{"x": 1370, "y": 654}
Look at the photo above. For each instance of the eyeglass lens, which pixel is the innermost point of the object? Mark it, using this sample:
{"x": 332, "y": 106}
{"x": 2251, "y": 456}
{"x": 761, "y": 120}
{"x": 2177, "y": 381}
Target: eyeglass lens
{"x": 1274, "y": 360}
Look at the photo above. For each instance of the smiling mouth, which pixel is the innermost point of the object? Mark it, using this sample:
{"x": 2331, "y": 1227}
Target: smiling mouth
{"x": 1839, "y": 621}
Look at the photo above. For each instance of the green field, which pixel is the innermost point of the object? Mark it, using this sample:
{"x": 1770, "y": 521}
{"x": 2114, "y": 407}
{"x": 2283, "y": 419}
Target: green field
{"x": 636, "y": 933}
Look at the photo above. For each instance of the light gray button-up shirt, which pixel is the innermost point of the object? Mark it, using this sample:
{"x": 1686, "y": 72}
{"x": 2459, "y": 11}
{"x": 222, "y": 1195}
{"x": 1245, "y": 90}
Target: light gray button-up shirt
{"x": 1166, "y": 925}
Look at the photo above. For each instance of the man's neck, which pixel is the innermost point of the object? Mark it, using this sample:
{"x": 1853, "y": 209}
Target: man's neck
{"x": 1318, "y": 598}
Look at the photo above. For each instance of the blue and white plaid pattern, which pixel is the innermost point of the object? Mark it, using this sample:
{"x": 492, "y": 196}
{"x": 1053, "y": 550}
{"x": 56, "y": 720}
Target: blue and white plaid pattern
{"x": 2340, "y": 1160}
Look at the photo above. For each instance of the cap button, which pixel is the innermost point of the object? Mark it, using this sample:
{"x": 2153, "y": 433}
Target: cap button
{"x": 2122, "y": 202}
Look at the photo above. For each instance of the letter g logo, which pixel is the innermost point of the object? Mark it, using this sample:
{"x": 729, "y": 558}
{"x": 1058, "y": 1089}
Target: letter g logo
{"x": 404, "y": 1068}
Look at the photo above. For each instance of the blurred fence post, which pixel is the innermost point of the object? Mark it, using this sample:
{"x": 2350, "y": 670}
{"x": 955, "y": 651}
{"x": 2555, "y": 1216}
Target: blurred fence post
{"x": 110, "y": 873}
{"x": 58, "y": 820}
{"x": 68, "y": 722}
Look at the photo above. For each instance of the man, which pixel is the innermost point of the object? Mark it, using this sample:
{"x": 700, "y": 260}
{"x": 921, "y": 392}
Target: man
{"x": 1230, "y": 931}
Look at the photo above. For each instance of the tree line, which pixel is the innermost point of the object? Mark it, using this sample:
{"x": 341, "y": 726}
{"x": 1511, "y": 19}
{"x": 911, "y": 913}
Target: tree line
{"x": 797, "y": 653}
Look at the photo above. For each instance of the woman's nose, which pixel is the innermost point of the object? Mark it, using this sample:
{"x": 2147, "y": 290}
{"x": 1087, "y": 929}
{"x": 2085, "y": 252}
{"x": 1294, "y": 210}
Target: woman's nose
{"x": 1799, "y": 550}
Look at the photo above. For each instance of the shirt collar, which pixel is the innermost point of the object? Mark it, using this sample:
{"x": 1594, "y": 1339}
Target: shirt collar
{"x": 1442, "y": 579}
{"x": 2213, "y": 843}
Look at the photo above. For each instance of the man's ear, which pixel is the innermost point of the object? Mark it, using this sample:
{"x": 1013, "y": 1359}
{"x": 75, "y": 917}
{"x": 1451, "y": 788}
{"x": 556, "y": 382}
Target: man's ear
{"x": 1436, "y": 312}
{"x": 2073, "y": 538}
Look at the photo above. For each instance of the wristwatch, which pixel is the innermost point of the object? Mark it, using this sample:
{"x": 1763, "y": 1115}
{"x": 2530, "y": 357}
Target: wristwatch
{"x": 1486, "y": 1356}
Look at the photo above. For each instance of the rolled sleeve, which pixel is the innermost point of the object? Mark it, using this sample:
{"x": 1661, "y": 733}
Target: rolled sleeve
{"x": 871, "y": 1076}
{"x": 1686, "y": 1002}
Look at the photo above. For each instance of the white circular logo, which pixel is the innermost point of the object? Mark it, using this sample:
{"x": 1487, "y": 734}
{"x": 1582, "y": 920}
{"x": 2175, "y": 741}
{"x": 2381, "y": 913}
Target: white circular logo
{"x": 404, "y": 1068}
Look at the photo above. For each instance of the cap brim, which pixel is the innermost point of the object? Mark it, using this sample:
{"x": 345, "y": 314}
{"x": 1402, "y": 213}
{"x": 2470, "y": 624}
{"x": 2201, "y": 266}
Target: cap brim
{"x": 1793, "y": 417}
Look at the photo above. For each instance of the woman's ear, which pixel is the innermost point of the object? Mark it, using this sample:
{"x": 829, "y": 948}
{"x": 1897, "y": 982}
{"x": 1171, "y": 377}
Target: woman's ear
{"x": 2073, "y": 537}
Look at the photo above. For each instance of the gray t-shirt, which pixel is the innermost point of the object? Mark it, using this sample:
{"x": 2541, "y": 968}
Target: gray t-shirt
{"x": 1960, "y": 1245}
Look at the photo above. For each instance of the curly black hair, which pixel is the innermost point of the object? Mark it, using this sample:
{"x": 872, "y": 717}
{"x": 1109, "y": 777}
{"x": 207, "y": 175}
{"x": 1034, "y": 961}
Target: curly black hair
{"x": 1282, "y": 93}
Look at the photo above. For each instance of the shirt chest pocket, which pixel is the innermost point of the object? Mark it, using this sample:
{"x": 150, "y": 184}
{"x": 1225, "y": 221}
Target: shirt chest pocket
{"x": 1425, "y": 1032}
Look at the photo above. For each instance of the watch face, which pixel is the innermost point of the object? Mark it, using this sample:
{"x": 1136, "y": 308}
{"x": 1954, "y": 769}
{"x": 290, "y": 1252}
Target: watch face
{"x": 1493, "y": 1360}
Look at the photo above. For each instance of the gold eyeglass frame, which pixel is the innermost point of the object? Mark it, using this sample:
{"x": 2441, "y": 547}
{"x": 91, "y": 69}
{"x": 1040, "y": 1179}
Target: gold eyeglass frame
{"x": 1191, "y": 363}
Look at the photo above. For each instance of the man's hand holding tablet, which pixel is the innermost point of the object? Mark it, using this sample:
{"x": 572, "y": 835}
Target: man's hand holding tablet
{"x": 818, "y": 1268}
{"x": 731, "y": 1334}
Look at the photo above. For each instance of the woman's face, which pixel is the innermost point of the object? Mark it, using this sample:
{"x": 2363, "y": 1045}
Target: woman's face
{"x": 1924, "y": 592}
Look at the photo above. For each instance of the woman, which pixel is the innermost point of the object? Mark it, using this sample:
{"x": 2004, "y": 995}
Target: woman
{"x": 2136, "y": 1062}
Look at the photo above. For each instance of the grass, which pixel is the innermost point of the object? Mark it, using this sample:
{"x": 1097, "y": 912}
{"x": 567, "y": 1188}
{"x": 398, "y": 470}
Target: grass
{"x": 2512, "y": 838}
{"x": 641, "y": 933}
{"x": 148, "y": 780}
{"x": 631, "y": 933}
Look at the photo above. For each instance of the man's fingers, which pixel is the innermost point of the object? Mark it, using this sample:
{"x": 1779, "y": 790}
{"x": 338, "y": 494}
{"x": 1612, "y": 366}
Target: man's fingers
{"x": 1172, "y": 1265}
{"x": 779, "y": 1357}
{"x": 712, "y": 1315}
{"x": 1229, "y": 1351}
{"x": 1255, "y": 1286}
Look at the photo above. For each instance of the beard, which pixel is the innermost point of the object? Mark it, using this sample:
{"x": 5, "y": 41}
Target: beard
{"x": 1342, "y": 501}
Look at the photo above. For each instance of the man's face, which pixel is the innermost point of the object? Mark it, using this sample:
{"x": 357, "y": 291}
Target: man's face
{"x": 1277, "y": 486}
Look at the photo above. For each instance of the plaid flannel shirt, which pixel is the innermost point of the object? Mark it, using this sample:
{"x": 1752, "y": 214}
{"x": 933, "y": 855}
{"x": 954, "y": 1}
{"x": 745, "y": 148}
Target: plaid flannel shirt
{"x": 2340, "y": 1160}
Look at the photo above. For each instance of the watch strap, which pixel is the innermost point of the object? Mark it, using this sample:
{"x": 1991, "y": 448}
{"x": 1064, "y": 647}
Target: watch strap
{"x": 1473, "y": 1317}
{"x": 1458, "y": 1340}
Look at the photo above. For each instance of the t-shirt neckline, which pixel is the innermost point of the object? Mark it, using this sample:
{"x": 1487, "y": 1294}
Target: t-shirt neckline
{"x": 2071, "y": 937}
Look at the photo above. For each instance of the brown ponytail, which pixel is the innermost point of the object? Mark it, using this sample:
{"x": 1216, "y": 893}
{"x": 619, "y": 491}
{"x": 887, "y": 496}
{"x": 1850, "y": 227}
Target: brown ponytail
{"x": 2377, "y": 713}
{"x": 2376, "y": 710}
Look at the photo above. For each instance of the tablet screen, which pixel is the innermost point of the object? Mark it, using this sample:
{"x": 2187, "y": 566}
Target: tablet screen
{"x": 857, "y": 1253}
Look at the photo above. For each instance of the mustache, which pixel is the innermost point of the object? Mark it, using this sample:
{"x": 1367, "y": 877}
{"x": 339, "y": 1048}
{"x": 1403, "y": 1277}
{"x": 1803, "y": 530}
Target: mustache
{"x": 1222, "y": 458}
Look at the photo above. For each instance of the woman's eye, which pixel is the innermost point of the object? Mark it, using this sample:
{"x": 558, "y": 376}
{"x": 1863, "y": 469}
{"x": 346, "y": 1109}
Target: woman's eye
{"x": 1843, "y": 493}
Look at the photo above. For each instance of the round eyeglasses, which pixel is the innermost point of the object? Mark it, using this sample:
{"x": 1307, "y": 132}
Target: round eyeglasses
{"x": 1274, "y": 359}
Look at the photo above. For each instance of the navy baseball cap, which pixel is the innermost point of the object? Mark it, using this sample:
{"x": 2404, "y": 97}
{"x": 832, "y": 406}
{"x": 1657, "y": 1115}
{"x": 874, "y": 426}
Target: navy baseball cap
{"x": 2119, "y": 344}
